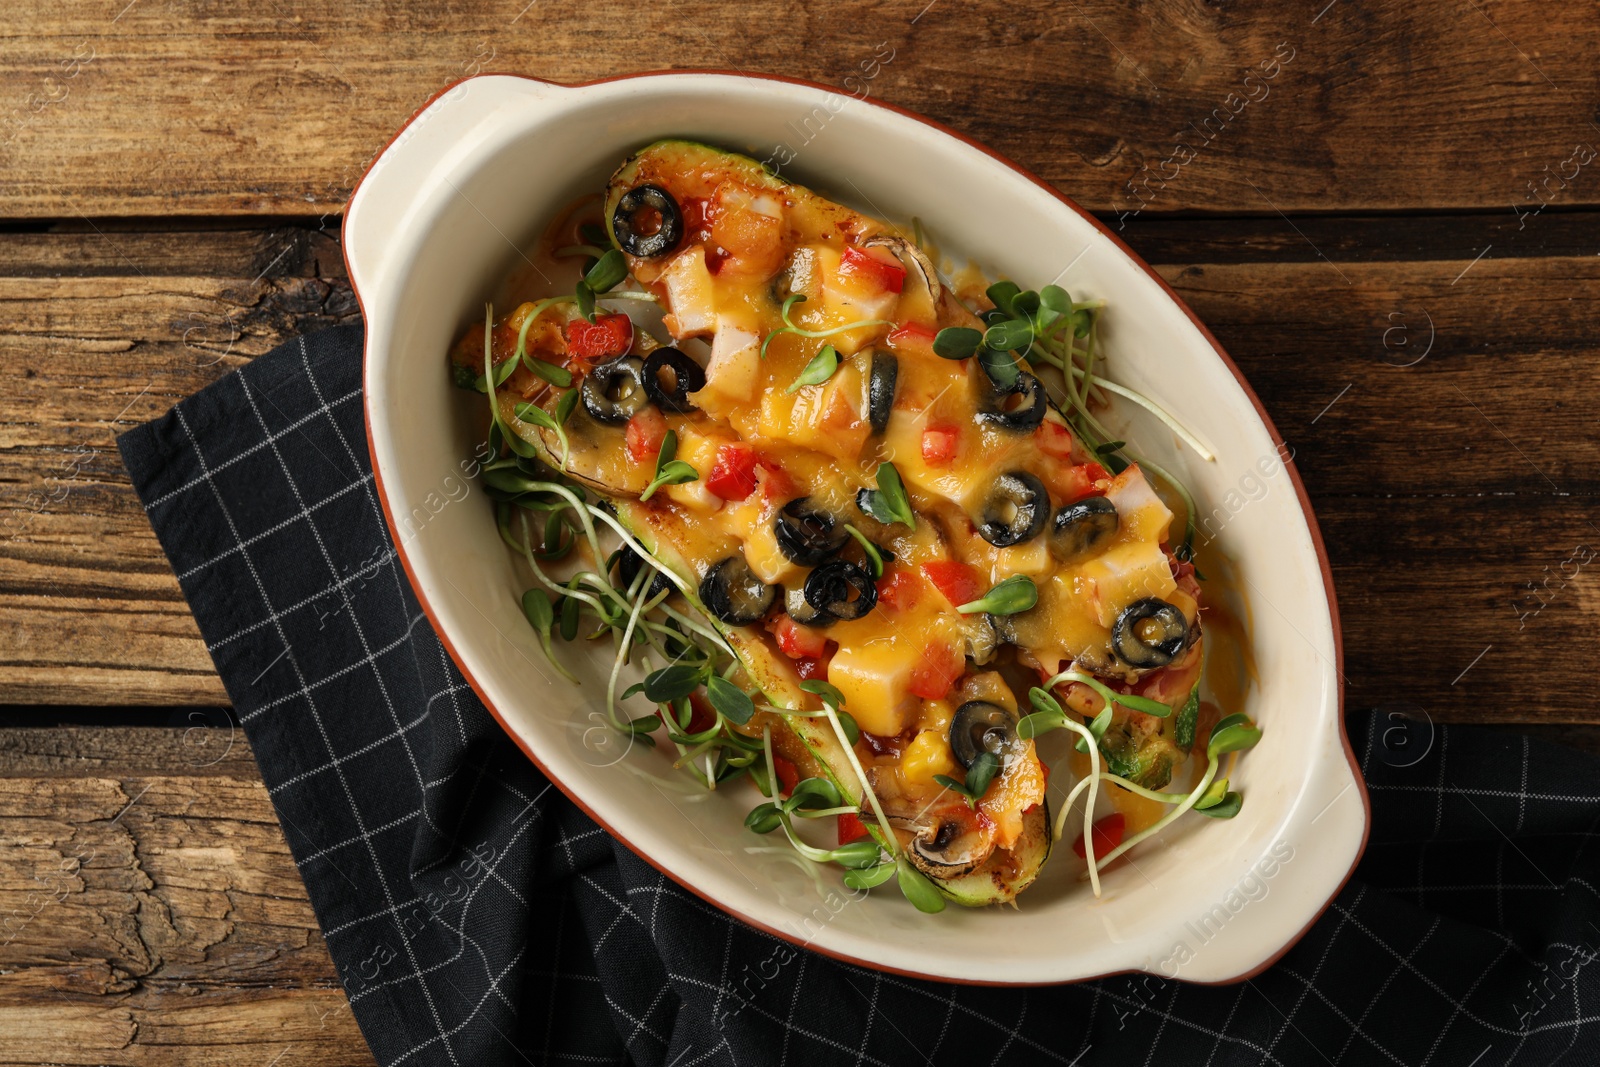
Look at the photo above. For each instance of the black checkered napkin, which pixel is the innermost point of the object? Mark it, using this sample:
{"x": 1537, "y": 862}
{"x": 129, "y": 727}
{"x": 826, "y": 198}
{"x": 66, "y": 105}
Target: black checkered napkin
{"x": 477, "y": 917}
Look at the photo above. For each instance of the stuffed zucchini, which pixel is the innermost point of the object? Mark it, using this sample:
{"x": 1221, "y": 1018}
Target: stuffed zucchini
{"x": 864, "y": 556}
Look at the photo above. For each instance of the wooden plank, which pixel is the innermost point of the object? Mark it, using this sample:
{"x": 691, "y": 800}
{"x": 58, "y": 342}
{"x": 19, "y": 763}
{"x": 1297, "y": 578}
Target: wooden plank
{"x": 1436, "y": 523}
{"x": 150, "y": 912}
{"x": 107, "y": 328}
{"x": 138, "y": 108}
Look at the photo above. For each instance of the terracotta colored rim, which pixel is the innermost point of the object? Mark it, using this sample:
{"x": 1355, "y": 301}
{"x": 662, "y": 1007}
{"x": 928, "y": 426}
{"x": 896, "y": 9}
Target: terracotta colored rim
{"x": 1227, "y": 361}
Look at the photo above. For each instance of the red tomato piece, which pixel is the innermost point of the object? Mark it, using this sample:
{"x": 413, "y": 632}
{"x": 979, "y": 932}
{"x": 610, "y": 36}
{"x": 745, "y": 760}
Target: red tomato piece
{"x": 796, "y": 641}
{"x": 938, "y": 669}
{"x": 788, "y": 774}
{"x": 956, "y": 580}
{"x": 809, "y": 667}
{"x": 733, "y": 476}
{"x": 850, "y": 829}
{"x": 939, "y": 444}
{"x": 899, "y": 589}
{"x": 645, "y": 433}
{"x": 912, "y": 335}
{"x": 880, "y": 272}
{"x": 1054, "y": 439}
{"x": 608, "y": 335}
{"x": 1107, "y": 836}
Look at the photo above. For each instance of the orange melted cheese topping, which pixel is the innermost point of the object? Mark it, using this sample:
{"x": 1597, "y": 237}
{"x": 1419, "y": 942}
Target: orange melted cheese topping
{"x": 749, "y": 241}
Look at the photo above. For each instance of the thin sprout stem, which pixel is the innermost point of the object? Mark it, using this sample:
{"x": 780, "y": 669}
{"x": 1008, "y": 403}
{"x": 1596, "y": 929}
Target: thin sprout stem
{"x": 1167, "y": 819}
{"x": 1088, "y": 805}
{"x": 1154, "y": 409}
{"x": 892, "y": 843}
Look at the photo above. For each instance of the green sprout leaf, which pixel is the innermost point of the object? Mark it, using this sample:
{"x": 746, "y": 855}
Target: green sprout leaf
{"x": 860, "y": 854}
{"x": 607, "y": 273}
{"x": 672, "y": 683}
{"x": 874, "y": 557}
{"x": 548, "y": 371}
{"x": 1001, "y": 294}
{"x": 1188, "y": 716}
{"x": 595, "y": 234}
{"x": 868, "y": 877}
{"x": 888, "y": 503}
{"x": 1226, "y": 808}
{"x": 1110, "y": 447}
{"x": 569, "y": 618}
{"x": 1056, "y": 299}
{"x": 1213, "y": 795}
{"x": 669, "y": 471}
{"x": 819, "y": 370}
{"x": 1098, "y": 727}
{"x": 764, "y": 818}
{"x": 957, "y": 342}
{"x": 535, "y": 414}
{"x": 1009, "y": 335}
{"x": 1232, "y": 736}
{"x": 917, "y": 889}
{"x": 734, "y": 703}
{"x": 564, "y": 406}
{"x": 852, "y": 732}
{"x": 979, "y": 775}
{"x": 829, "y": 693}
{"x": 1000, "y": 366}
{"x": 585, "y": 298}
{"x": 1014, "y": 595}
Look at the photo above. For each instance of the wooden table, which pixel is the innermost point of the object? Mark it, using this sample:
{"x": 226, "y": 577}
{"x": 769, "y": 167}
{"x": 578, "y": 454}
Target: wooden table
{"x": 1385, "y": 211}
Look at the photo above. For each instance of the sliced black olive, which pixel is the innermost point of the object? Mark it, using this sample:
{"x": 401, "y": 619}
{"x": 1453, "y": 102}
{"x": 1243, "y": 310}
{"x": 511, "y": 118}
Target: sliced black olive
{"x": 999, "y": 409}
{"x": 1016, "y": 509}
{"x": 880, "y": 389}
{"x": 732, "y": 592}
{"x": 1149, "y": 633}
{"x": 628, "y": 564}
{"x": 979, "y": 726}
{"x": 647, "y": 222}
{"x": 829, "y": 589}
{"x": 794, "y": 602}
{"x": 614, "y": 392}
{"x": 806, "y": 534}
{"x": 1082, "y": 529}
{"x": 670, "y": 376}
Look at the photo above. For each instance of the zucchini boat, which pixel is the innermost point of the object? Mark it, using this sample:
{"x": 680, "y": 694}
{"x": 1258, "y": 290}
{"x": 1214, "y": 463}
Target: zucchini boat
{"x": 860, "y": 543}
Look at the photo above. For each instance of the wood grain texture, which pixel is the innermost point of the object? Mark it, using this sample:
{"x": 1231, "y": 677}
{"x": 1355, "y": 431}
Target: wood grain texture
{"x": 118, "y": 108}
{"x": 1456, "y": 497}
{"x": 150, "y": 912}
{"x": 107, "y": 328}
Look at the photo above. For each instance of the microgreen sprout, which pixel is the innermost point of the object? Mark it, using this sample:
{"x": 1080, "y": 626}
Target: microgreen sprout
{"x": 819, "y": 370}
{"x": 789, "y": 327}
{"x": 888, "y": 503}
{"x": 1011, "y": 597}
{"x": 669, "y": 471}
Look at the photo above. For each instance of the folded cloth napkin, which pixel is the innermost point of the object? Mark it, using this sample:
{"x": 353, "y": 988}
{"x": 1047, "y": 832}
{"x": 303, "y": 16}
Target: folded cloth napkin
{"x": 478, "y": 917}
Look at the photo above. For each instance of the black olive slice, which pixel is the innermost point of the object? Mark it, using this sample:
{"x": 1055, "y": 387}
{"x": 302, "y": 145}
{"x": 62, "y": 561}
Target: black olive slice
{"x": 806, "y": 534}
{"x": 647, "y": 222}
{"x": 1083, "y": 528}
{"x": 732, "y": 592}
{"x": 829, "y": 589}
{"x": 794, "y": 602}
{"x": 1149, "y": 633}
{"x": 628, "y": 564}
{"x": 998, "y": 409}
{"x": 980, "y": 726}
{"x": 614, "y": 392}
{"x": 880, "y": 389}
{"x": 1015, "y": 510}
{"x": 670, "y": 376}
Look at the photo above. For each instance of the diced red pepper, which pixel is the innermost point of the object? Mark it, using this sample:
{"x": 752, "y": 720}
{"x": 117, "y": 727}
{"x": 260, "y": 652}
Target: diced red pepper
{"x": 646, "y": 431}
{"x": 1095, "y": 472}
{"x": 850, "y": 829}
{"x": 899, "y": 589}
{"x": 886, "y": 275}
{"x": 912, "y": 337}
{"x": 1054, "y": 439}
{"x": 937, "y": 671}
{"x": 1107, "y": 836}
{"x": 733, "y": 476}
{"x": 809, "y": 668}
{"x": 939, "y": 444}
{"x": 608, "y": 335}
{"x": 956, "y": 580}
{"x": 775, "y": 485}
{"x": 796, "y": 641}
{"x": 788, "y": 775}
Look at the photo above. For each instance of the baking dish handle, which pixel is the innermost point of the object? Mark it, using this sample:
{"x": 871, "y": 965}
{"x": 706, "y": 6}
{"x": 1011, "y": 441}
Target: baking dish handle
{"x": 417, "y": 165}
